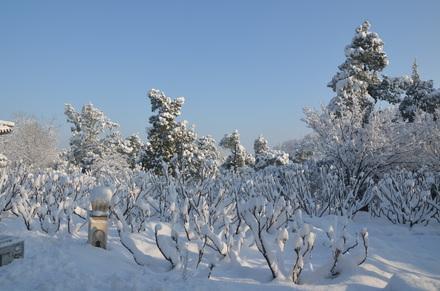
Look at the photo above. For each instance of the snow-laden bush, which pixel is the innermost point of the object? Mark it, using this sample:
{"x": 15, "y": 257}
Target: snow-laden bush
{"x": 49, "y": 195}
{"x": 320, "y": 190}
{"x": 344, "y": 245}
{"x": 135, "y": 198}
{"x": 13, "y": 177}
{"x": 408, "y": 197}
{"x": 207, "y": 214}
{"x": 203, "y": 222}
{"x": 270, "y": 233}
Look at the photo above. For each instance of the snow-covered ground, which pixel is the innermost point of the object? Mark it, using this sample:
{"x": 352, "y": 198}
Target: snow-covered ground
{"x": 399, "y": 259}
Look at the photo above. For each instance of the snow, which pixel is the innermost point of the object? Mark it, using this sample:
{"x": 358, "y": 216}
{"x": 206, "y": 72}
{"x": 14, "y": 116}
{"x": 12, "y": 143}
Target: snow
{"x": 399, "y": 258}
{"x": 410, "y": 282}
{"x": 8, "y": 240}
{"x": 101, "y": 195}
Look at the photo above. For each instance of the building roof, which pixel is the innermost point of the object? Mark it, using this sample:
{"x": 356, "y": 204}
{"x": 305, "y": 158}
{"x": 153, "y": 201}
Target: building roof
{"x": 6, "y": 127}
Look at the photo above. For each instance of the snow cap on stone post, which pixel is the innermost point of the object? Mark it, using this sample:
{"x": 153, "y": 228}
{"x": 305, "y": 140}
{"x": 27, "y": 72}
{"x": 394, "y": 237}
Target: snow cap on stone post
{"x": 100, "y": 199}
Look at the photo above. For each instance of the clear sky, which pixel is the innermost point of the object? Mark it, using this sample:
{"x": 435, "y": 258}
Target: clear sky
{"x": 246, "y": 65}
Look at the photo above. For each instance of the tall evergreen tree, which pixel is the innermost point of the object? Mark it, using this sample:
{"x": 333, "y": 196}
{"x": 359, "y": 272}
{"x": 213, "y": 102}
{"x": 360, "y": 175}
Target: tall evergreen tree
{"x": 365, "y": 59}
{"x": 170, "y": 142}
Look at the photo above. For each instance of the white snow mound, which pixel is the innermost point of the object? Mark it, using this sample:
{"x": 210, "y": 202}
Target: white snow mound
{"x": 101, "y": 195}
{"x": 412, "y": 282}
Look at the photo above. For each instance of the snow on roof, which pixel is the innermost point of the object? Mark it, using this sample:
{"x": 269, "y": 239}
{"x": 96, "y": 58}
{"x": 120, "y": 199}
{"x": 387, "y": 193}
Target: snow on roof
{"x": 6, "y": 127}
{"x": 7, "y": 123}
{"x": 8, "y": 240}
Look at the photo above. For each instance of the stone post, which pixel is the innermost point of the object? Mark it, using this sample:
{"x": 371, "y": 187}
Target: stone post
{"x": 98, "y": 217}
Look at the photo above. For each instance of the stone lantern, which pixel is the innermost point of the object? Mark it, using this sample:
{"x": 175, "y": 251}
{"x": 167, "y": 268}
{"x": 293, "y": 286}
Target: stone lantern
{"x": 98, "y": 217}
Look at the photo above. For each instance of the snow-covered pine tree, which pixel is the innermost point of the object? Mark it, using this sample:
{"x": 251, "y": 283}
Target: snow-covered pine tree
{"x": 170, "y": 142}
{"x": 183, "y": 159}
{"x": 92, "y": 133}
{"x": 207, "y": 157}
{"x": 239, "y": 157}
{"x": 390, "y": 89}
{"x": 261, "y": 146}
{"x": 264, "y": 156}
{"x": 131, "y": 148}
{"x": 419, "y": 94}
{"x": 365, "y": 59}
{"x": 160, "y": 147}
{"x": 300, "y": 150}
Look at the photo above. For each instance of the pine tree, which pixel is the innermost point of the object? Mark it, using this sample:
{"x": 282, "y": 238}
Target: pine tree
{"x": 170, "y": 143}
{"x": 365, "y": 59}
{"x": 185, "y": 147}
{"x": 206, "y": 157}
{"x": 264, "y": 156}
{"x": 239, "y": 157}
{"x": 419, "y": 95}
{"x": 131, "y": 148}
{"x": 93, "y": 135}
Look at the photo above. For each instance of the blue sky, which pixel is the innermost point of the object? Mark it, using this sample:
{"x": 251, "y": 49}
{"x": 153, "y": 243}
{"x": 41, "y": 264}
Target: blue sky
{"x": 246, "y": 65}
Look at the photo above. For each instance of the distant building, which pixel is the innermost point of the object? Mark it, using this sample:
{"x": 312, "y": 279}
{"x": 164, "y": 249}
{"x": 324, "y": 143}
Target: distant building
{"x": 6, "y": 127}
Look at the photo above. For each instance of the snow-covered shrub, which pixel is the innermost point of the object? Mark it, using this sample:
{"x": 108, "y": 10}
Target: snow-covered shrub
{"x": 209, "y": 214}
{"x": 201, "y": 212}
{"x": 359, "y": 152}
{"x": 133, "y": 198}
{"x": 51, "y": 196}
{"x": 343, "y": 247}
{"x": 268, "y": 223}
{"x": 427, "y": 127}
{"x": 264, "y": 156}
{"x": 316, "y": 188}
{"x": 24, "y": 202}
{"x": 63, "y": 194}
{"x": 274, "y": 225}
{"x": 170, "y": 248}
{"x": 408, "y": 197}
{"x": 13, "y": 177}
